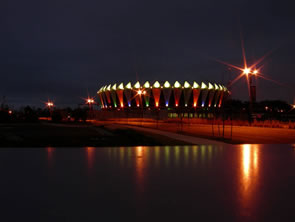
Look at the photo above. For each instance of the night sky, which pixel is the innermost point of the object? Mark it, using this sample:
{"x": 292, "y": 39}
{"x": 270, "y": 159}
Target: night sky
{"x": 64, "y": 49}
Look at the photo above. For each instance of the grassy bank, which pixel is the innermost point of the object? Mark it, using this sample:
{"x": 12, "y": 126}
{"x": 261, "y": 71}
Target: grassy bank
{"x": 74, "y": 135}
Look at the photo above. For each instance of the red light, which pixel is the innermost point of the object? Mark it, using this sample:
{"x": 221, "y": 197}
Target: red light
{"x": 176, "y": 104}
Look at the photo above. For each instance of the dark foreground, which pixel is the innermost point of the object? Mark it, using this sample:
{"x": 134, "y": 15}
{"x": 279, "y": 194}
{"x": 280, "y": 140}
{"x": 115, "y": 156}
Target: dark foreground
{"x": 182, "y": 183}
{"x": 46, "y": 134}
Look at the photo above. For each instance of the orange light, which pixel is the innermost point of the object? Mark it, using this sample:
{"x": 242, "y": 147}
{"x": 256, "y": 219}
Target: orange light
{"x": 246, "y": 71}
{"x": 255, "y": 72}
{"x": 90, "y": 101}
{"x": 10, "y": 112}
{"x": 122, "y": 105}
{"x": 195, "y": 105}
{"x": 49, "y": 104}
{"x": 176, "y": 104}
{"x": 139, "y": 92}
{"x": 144, "y": 92}
{"x": 157, "y": 104}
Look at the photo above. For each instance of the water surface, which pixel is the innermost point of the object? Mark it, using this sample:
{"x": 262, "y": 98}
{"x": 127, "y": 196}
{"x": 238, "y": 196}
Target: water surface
{"x": 181, "y": 183}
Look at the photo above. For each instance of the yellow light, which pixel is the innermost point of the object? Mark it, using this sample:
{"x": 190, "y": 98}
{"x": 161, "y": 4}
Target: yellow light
{"x": 246, "y": 71}
{"x": 114, "y": 86}
{"x": 167, "y": 84}
{"x": 195, "y": 85}
{"x": 139, "y": 92}
{"x": 216, "y": 86}
{"x": 128, "y": 86}
{"x": 137, "y": 85}
{"x": 157, "y": 84}
{"x": 177, "y": 84}
{"x": 210, "y": 86}
{"x": 203, "y": 86}
{"x": 255, "y": 71}
{"x": 147, "y": 85}
{"x": 109, "y": 87}
{"x": 186, "y": 85}
{"x": 121, "y": 86}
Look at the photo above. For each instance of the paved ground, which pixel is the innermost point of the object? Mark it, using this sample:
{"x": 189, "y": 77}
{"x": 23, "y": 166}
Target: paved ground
{"x": 234, "y": 134}
{"x": 174, "y": 136}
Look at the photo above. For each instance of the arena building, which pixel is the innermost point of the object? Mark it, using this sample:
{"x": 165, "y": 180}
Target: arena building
{"x": 162, "y": 95}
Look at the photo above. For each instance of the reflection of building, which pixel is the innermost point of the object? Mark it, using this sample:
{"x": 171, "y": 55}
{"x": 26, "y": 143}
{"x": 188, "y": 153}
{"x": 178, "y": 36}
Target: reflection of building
{"x": 161, "y": 95}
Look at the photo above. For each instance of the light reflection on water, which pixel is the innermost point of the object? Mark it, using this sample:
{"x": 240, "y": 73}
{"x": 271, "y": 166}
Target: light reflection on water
{"x": 249, "y": 175}
{"x": 202, "y": 175}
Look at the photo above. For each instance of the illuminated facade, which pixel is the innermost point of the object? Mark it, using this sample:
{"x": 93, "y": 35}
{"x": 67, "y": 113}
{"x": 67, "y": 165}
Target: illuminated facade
{"x": 161, "y": 95}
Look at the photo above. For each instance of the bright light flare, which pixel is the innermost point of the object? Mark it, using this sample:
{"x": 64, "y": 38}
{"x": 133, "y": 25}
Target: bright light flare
{"x": 49, "y": 104}
{"x": 247, "y": 71}
{"x": 90, "y": 101}
{"x": 255, "y": 72}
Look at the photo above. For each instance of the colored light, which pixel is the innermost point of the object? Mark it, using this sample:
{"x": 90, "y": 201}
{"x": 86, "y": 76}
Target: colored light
{"x": 109, "y": 87}
{"x": 114, "y": 86}
{"x": 203, "y": 86}
{"x": 137, "y": 85}
{"x": 157, "y": 84}
{"x": 128, "y": 86}
{"x": 157, "y": 104}
{"x": 195, "y": 105}
{"x": 216, "y": 86}
{"x": 139, "y": 92}
{"x": 210, "y": 86}
{"x": 177, "y": 84}
{"x": 195, "y": 85}
{"x": 255, "y": 71}
{"x": 147, "y": 85}
{"x": 186, "y": 85}
{"x": 167, "y": 84}
{"x": 246, "y": 71}
{"x": 121, "y": 86}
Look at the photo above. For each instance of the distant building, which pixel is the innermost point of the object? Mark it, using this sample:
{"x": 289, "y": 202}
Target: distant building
{"x": 161, "y": 96}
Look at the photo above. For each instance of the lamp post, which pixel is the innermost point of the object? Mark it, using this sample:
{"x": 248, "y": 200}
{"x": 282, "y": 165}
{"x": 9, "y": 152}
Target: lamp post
{"x": 252, "y": 88}
{"x": 50, "y": 105}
